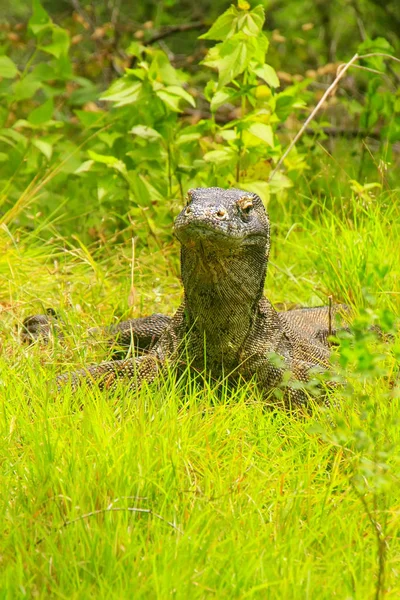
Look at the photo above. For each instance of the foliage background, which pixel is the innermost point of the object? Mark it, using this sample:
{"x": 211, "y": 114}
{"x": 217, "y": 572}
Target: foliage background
{"x": 95, "y": 162}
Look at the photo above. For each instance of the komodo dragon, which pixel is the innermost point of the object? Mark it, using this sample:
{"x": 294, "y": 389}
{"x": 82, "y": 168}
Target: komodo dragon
{"x": 225, "y": 327}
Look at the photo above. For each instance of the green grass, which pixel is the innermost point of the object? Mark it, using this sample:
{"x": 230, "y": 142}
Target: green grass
{"x": 240, "y": 502}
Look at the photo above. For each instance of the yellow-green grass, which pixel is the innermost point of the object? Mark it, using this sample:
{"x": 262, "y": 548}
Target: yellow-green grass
{"x": 187, "y": 491}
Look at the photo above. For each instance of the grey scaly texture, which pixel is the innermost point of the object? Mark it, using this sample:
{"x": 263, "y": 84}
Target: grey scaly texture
{"x": 225, "y": 327}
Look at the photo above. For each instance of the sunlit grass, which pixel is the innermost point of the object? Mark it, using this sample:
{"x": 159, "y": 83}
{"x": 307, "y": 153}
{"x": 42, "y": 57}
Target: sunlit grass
{"x": 238, "y": 501}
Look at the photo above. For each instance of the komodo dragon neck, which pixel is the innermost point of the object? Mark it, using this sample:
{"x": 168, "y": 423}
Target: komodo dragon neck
{"x": 222, "y": 291}
{"x": 223, "y": 266}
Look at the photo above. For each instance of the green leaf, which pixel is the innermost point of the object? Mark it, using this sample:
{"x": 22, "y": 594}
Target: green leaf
{"x": 232, "y": 21}
{"x": 279, "y": 182}
{"x": 84, "y": 167}
{"x": 145, "y": 132}
{"x": 44, "y": 147}
{"x": 88, "y": 118}
{"x": 170, "y": 100}
{"x": 42, "y": 113}
{"x": 145, "y": 193}
{"x": 221, "y": 97}
{"x": 103, "y": 158}
{"x": 122, "y": 92}
{"x": 378, "y": 45}
{"x": 8, "y": 70}
{"x": 39, "y": 20}
{"x": 268, "y": 74}
{"x": 109, "y": 137}
{"x": 263, "y": 132}
{"x": 220, "y": 157}
{"x": 251, "y": 23}
{"x": 60, "y": 44}
{"x": 223, "y": 27}
{"x": 161, "y": 70}
{"x": 26, "y": 87}
{"x": 234, "y": 60}
{"x": 179, "y": 91}
{"x": 187, "y": 138}
{"x": 135, "y": 49}
{"x": 234, "y": 56}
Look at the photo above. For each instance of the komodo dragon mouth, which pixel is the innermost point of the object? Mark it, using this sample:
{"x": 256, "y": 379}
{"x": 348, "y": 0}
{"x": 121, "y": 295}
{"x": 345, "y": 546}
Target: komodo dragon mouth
{"x": 213, "y": 220}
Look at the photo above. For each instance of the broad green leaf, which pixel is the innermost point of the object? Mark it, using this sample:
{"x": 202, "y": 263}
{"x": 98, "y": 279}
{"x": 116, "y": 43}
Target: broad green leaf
{"x": 378, "y": 45}
{"x": 43, "y": 72}
{"x": 60, "y": 43}
{"x": 109, "y": 137}
{"x": 39, "y": 20}
{"x": 279, "y": 182}
{"x": 221, "y": 97}
{"x": 42, "y": 113}
{"x": 228, "y": 134}
{"x": 145, "y": 132}
{"x": 267, "y": 74}
{"x": 169, "y": 99}
{"x": 84, "y": 167}
{"x": 13, "y": 138}
{"x": 179, "y": 91}
{"x": 162, "y": 70}
{"x": 263, "y": 132}
{"x": 223, "y": 27}
{"x": 88, "y": 118}
{"x": 220, "y": 157}
{"x": 44, "y": 147}
{"x": 135, "y": 49}
{"x": 251, "y": 23}
{"x": 234, "y": 59}
{"x": 145, "y": 193}
{"x": 187, "y": 138}
{"x": 8, "y": 70}
{"x": 123, "y": 91}
{"x": 26, "y": 87}
{"x": 105, "y": 159}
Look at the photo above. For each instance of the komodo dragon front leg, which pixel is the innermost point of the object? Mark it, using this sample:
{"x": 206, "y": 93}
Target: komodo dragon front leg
{"x": 142, "y": 333}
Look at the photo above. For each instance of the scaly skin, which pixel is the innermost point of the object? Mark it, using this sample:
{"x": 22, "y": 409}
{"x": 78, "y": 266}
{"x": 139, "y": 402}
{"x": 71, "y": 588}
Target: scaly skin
{"x": 225, "y": 327}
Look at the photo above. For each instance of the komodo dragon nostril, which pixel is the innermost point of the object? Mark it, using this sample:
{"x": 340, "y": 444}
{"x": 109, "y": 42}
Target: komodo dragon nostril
{"x": 188, "y": 210}
{"x": 221, "y": 213}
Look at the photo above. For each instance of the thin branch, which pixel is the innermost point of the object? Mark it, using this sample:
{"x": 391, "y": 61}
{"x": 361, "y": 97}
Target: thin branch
{"x": 382, "y": 54}
{"x": 132, "y": 509}
{"x": 342, "y": 71}
{"x": 330, "y": 316}
{"x": 381, "y": 543}
{"x": 174, "y": 29}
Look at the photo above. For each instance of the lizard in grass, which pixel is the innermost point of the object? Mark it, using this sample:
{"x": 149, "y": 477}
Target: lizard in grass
{"x": 225, "y": 326}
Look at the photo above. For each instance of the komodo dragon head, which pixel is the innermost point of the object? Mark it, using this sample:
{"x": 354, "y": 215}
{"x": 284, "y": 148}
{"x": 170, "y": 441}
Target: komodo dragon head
{"x": 226, "y": 219}
{"x": 224, "y": 235}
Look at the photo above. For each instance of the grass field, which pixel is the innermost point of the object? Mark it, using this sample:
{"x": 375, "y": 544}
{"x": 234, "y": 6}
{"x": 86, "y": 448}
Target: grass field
{"x": 186, "y": 491}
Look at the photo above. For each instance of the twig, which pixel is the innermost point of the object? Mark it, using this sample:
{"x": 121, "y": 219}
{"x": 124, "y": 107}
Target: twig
{"x": 341, "y": 71}
{"x": 381, "y": 544}
{"x": 330, "y": 89}
{"x": 132, "y": 509}
{"x": 174, "y": 29}
{"x": 330, "y": 315}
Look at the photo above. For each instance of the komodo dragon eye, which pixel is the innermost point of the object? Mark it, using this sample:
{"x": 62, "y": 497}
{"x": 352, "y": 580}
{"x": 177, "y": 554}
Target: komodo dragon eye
{"x": 189, "y": 197}
{"x": 245, "y": 204}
